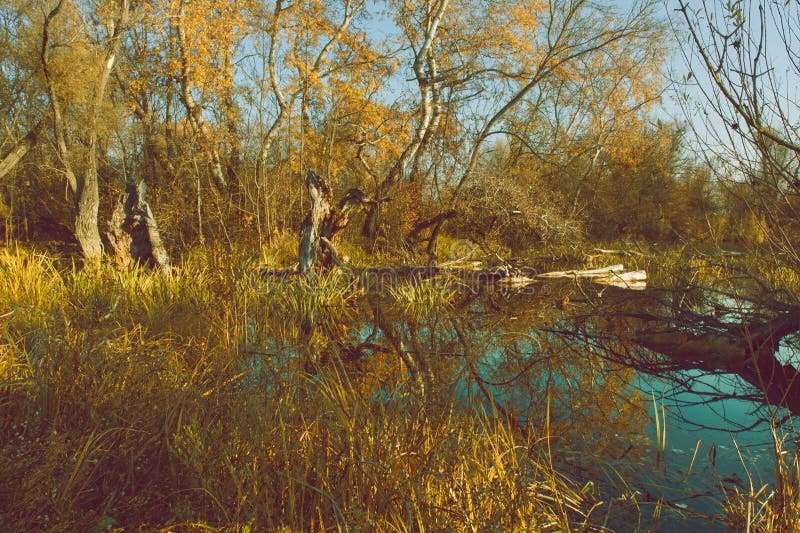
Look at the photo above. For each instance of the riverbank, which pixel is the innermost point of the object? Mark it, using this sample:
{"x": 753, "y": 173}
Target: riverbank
{"x": 215, "y": 399}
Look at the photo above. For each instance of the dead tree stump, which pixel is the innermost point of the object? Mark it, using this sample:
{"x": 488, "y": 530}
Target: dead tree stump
{"x": 324, "y": 222}
{"x": 133, "y": 233}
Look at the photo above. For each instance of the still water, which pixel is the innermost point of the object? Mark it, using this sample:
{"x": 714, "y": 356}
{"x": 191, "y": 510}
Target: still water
{"x": 660, "y": 450}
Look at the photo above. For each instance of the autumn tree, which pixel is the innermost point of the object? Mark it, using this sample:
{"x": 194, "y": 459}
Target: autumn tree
{"x": 205, "y": 34}
{"x": 407, "y": 100}
{"x": 472, "y": 78}
{"x": 314, "y": 57}
{"x": 21, "y": 112}
{"x": 62, "y": 35}
{"x": 639, "y": 186}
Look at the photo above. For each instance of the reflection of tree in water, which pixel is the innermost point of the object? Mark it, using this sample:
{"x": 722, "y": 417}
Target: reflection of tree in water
{"x": 714, "y": 343}
{"x": 577, "y": 345}
{"x": 558, "y": 367}
{"x": 489, "y": 353}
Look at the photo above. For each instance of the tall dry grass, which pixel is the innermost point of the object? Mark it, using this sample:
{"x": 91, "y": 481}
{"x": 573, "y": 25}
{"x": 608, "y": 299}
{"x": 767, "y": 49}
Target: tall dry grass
{"x": 136, "y": 401}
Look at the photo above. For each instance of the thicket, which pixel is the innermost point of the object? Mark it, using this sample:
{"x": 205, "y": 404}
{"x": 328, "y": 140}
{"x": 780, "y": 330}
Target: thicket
{"x": 650, "y": 193}
{"x": 221, "y": 109}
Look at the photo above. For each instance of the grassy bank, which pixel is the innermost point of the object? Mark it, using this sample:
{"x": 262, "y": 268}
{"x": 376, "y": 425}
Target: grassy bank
{"x": 218, "y": 399}
{"x": 132, "y": 400}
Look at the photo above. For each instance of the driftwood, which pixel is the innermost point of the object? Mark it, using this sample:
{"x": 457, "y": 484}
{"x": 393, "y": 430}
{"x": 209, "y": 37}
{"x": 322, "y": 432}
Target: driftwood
{"x": 325, "y": 221}
{"x": 635, "y": 280}
{"x": 504, "y": 277}
{"x": 133, "y": 233}
{"x": 614, "y": 275}
{"x": 594, "y": 273}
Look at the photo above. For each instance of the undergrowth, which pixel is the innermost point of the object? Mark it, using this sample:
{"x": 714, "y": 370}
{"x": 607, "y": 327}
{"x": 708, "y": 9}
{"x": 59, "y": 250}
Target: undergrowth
{"x": 137, "y": 401}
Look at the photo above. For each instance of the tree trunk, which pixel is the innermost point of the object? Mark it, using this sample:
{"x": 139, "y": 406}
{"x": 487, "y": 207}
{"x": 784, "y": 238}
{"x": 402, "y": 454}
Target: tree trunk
{"x": 85, "y": 191}
{"x": 22, "y": 147}
{"x": 133, "y": 233}
{"x": 324, "y": 221}
{"x": 321, "y": 206}
{"x": 88, "y": 209}
{"x": 413, "y": 236}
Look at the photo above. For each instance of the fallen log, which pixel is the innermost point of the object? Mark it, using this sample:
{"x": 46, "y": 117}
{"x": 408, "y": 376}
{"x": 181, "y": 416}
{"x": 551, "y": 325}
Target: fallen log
{"x": 507, "y": 278}
{"x": 594, "y": 273}
{"x": 614, "y": 275}
{"x": 632, "y": 275}
{"x": 634, "y": 280}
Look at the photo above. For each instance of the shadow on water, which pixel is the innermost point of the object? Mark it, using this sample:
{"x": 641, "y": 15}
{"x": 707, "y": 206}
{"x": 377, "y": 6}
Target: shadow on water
{"x": 662, "y": 438}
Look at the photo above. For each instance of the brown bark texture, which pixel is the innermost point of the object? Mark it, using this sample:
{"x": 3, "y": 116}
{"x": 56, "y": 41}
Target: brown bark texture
{"x": 133, "y": 233}
{"x": 325, "y": 221}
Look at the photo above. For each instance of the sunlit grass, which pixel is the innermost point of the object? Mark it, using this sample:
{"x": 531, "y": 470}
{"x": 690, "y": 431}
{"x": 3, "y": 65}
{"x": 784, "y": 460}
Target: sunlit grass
{"x": 282, "y": 253}
{"x": 130, "y": 399}
{"x": 418, "y": 298}
{"x": 123, "y": 406}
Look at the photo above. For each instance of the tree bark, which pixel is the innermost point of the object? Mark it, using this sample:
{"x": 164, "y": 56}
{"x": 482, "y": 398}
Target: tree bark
{"x": 325, "y": 221}
{"x": 321, "y": 206}
{"x": 133, "y": 233}
{"x": 88, "y": 210}
{"x": 22, "y": 147}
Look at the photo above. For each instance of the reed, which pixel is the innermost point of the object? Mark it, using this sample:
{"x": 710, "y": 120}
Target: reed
{"x": 130, "y": 400}
{"x": 419, "y": 298}
{"x": 660, "y": 418}
{"x": 756, "y": 507}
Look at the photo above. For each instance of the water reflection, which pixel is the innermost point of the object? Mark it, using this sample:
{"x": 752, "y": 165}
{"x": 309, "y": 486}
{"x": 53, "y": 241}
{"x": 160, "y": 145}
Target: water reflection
{"x": 559, "y": 355}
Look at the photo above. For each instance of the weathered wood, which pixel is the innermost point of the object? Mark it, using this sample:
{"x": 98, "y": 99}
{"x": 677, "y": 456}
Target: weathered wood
{"x": 324, "y": 222}
{"x": 334, "y": 253}
{"x": 594, "y": 273}
{"x": 353, "y": 199}
{"x": 509, "y": 279}
{"x": 321, "y": 206}
{"x": 133, "y": 233}
{"x": 614, "y": 275}
{"x": 634, "y": 280}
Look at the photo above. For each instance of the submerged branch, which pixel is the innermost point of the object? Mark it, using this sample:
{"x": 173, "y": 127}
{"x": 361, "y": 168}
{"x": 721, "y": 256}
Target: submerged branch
{"x": 749, "y": 351}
